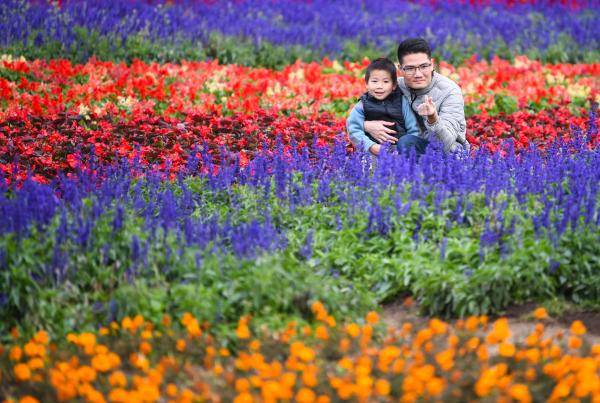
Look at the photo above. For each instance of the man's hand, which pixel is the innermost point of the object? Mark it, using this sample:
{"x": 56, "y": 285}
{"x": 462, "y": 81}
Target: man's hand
{"x": 379, "y": 131}
{"x": 428, "y": 109}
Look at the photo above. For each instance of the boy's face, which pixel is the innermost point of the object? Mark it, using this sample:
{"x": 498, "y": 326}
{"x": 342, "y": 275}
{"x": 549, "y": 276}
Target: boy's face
{"x": 380, "y": 84}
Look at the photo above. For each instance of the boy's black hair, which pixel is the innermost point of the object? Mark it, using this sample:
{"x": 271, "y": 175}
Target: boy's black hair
{"x": 385, "y": 64}
{"x": 413, "y": 45}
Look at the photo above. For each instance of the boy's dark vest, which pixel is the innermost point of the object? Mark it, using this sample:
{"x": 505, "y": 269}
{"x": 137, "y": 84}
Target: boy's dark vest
{"x": 389, "y": 109}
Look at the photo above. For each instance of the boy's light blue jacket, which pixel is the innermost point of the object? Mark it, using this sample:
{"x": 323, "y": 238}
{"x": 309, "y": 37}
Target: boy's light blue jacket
{"x": 355, "y": 124}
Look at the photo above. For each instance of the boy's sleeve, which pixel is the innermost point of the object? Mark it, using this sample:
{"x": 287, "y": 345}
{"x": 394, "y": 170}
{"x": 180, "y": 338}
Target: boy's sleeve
{"x": 355, "y": 125}
{"x": 410, "y": 120}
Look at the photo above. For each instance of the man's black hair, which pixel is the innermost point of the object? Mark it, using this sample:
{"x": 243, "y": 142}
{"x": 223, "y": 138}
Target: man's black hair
{"x": 413, "y": 45}
{"x": 385, "y": 64}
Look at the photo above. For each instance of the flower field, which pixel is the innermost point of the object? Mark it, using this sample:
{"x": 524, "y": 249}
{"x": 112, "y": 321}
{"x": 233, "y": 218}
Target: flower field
{"x": 184, "y": 218}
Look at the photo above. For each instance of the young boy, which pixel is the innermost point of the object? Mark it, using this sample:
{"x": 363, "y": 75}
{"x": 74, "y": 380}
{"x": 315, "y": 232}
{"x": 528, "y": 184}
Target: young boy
{"x": 382, "y": 101}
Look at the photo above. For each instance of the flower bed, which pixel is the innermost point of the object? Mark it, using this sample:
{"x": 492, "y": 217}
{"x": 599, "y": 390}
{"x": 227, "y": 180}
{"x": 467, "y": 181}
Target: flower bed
{"x": 138, "y": 360}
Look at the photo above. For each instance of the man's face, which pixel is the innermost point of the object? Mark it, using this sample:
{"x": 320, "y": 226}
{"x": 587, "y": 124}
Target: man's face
{"x": 417, "y": 68}
{"x": 380, "y": 84}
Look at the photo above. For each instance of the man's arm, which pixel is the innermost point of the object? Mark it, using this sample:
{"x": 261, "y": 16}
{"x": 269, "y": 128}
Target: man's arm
{"x": 450, "y": 125}
{"x": 355, "y": 127}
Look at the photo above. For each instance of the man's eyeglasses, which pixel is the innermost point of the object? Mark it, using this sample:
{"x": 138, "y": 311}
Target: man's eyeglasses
{"x": 411, "y": 70}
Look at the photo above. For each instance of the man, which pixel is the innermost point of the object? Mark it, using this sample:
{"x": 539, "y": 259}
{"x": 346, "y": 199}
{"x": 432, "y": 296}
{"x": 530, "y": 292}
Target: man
{"x": 436, "y": 99}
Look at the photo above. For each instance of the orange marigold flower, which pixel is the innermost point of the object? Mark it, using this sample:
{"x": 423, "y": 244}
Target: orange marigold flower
{"x": 578, "y": 328}
{"x": 530, "y": 374}
{"x": 540, "y": 313}
{"x": 243, "y": 398}
{"x": 305, "y": 395}
{"x": 87, "y": 340}
{"x": 437, "y": 326}
{"x": 119, "y": 395}
{"x": 41, "y": 337}
{"x": 117, "y": 378}
{"x": 330, "y": 321}
{"x": 242, "y": 331}
{"x": 507, "y": 349}
{"x": 15, "y": 353}
{"x": 180, "y": 345}
{"x": 445, "y": 359}
{"x": 22, "y": 372}
{"x": 321, "y": 333}
{"x": 28, "y": 399}
{"x": 307, "y": 354}
{"x": 242, "y": 385}
{"x": 372, "y": 317}
{"x": 34, "y": 349}
{"x": 309, "y": 378}
{"x": 145, "y": 347}
{"x": 574, "y": 342}
{"x": 561, "y": 390}
{"x": 317, "y": 307}
{"x": 472, "y": 323}
{"x": 520, "y": 393}
{"x": 382, "y": 387}
{"x": 101, "y": 362}
{"x": 353, "y": 330}
{"x": 254, "y": 345}
{"x": 171, "y": 390}
{"x": 344, "y": 344}
{"x": 435, "y": 386}
{"x": 36, "y": 363}
{"x": 500, "y": 331}
{"x": 86, "y": 374}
